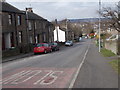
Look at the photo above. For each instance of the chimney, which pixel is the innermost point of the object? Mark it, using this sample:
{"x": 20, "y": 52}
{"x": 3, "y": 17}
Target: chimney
{"x": 29, "y": 9}
{"x": 56, "y": 21}
{"x": 2, "y": 0}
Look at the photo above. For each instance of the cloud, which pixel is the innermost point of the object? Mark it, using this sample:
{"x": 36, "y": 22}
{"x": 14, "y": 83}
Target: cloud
{"x": 62, "y": 0}
{"x": 61, "y": 10}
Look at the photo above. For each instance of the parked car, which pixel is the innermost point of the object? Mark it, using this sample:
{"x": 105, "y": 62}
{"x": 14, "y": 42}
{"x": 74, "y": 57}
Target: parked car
{"x": 54, "y": 46}
{"x": 76, "y": 39}
{"x": 69, "y": 43}
{"x": 80, "y": 39}
{"x": 42, "y": 48}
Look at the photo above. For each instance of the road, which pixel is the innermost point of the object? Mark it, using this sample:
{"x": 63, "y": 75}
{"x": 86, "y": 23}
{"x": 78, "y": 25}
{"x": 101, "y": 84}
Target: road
{"x": 66, "y": 68}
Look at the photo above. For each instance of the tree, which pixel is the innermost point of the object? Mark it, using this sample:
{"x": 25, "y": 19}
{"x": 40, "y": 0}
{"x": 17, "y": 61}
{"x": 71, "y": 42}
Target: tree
{"x": 72, "y": 27}
{"x": 113, "y": 15}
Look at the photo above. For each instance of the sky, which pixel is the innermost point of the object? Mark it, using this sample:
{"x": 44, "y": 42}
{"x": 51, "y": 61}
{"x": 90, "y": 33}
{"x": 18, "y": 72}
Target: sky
{"x": 62, "y": 9}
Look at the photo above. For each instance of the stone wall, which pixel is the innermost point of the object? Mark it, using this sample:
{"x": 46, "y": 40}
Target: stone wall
{"x": 119, "y": 44}
{"x": 10, "y": 52}
{"x": 112, "y": 45}
{"x": 17, "y": 50}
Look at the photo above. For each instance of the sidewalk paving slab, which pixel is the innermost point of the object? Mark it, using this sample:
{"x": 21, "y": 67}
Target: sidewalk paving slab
{"x": 16, "y": 57}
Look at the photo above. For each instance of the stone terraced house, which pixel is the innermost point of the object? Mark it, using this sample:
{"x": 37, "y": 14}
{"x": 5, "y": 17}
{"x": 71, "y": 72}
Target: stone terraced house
{"x": 21, "y": 30}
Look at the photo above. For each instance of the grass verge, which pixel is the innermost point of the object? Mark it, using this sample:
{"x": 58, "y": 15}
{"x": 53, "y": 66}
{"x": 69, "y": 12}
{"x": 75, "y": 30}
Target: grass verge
{"x": 116, "y": 65}
{"x": 107, "y": 53}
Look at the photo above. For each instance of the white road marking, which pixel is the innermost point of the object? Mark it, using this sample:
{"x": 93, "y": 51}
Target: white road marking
{"x": 51, "y": 76}
{"x": 16, "y": 81}
{"x": 32, "y": 72}
{"x": 11, "y": 78}
{"x": 49, "y": 72}
{"x": 24, "y": 76}
{"x": 78, "y": 70}
{"x": 38, "y": 71}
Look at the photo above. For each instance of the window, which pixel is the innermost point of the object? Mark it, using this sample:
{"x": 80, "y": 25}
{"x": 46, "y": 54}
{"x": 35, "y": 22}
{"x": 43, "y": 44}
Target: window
{"x": 35, "y": 25}
{"x": 7, "y": 40}
{"x": 49, "y": 29}
{"x": 20, "y": 37}
{"x": 12, "y": 39}
{"x": 55, "y": 44}
{"x": 19, "y": 19}
{"x": 37, "y": 38}
{"x": 3, "y": 42}
{"x": 10, "y": 19}
{"x": 31, "y": 39}
{"x": 46, "y": 45}
{"x": 39, "y": 45}
{"x": 0, "y": 19}
{"x": 29, "y": 25}
{"x": 44, "y": 37}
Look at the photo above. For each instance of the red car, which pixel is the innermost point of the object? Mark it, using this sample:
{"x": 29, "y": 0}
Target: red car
{"x": 42, "y": 48}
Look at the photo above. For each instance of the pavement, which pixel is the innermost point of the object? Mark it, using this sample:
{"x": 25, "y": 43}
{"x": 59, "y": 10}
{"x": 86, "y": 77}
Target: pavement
{"x": 17, "y": 57}
{"x": 96, "y": 72}
{"x": 114, "y": 57}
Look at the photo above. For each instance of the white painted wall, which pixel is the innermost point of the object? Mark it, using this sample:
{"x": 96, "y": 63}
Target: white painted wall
{"x": 61, "y": 35}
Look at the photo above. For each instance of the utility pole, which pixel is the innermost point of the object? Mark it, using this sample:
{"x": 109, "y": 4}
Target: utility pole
{"x": 57, "y": 29}
{"x": 27, "y": 30}
{"x": 66, "y": 30}
{"x": 99, "y": 25}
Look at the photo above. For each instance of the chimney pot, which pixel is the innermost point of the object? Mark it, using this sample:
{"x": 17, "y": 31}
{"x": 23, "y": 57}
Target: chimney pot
{"x": 29, "y": 9}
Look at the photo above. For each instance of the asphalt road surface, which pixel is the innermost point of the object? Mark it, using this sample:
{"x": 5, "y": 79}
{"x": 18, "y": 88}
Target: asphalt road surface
{"x": 70, "y": 67}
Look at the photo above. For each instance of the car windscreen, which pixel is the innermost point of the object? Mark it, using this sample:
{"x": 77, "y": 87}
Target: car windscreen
{"x": 50, "y": 43}
{"x": 46, "y": 45}
{"x": 68, "y": 42}
{"x": 39, "y": 45}
{"x": 55, "y": 44}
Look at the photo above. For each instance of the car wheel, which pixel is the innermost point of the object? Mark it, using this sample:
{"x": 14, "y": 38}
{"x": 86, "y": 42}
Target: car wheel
{"x": 45, "y": 51}
{"x": 51, "y": 50}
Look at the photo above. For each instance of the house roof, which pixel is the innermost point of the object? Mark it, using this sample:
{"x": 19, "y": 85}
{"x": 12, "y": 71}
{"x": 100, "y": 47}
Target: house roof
{"x": 59, "y": 28}
{"x": 33, "y": 16}
{"x": 6, "y": 7}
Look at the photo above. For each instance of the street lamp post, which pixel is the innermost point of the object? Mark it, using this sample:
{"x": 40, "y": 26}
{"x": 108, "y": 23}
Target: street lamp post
{"x": 99, "y": 25}
{"x": 27, "y": 21}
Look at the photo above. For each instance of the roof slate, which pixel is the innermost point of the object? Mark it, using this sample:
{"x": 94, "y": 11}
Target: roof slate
{"x": 6, "y": 7}
{"x": 34, "y": 16}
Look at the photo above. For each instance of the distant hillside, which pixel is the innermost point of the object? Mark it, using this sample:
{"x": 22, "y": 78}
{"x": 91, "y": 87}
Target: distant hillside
{"x": 86, "y": 20}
